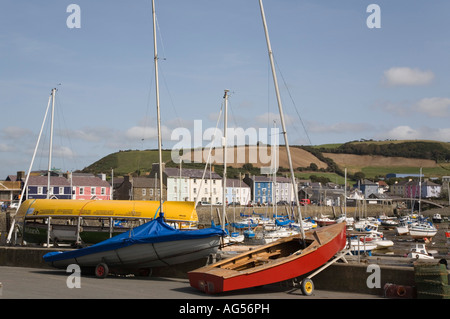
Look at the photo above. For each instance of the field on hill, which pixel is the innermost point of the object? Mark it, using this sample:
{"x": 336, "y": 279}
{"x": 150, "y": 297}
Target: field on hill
{"x": 140, "y": 162}
{"x": 258, "y": 157}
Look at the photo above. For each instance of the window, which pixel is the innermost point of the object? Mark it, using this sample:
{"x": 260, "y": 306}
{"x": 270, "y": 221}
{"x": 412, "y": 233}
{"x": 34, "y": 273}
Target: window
{"x": 144, "y": 192}
{"x": 103, "y": 191}
{"x": 195, "y": 190}
{"x": 40, "y": 190}
{"x": 92, "y": 190}
{"x": 81, "y": 190}
{"x": 61, "y": 190}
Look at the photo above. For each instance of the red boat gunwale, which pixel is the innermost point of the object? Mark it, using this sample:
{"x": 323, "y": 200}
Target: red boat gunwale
{"x": 274, "y": 262}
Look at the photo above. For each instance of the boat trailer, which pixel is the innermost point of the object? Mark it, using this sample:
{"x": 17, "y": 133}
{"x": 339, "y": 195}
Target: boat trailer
{"x": 307, "y": 285}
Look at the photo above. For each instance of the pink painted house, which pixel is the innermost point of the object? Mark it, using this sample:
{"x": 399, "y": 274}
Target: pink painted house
{"x": 88, "y": 186}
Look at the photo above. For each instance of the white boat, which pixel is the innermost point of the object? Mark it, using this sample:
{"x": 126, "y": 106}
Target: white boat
{"x": 233, "y": 238}
{"x": 377, "y": 239}
{"x": 402, "y": 229}
{"x": 277, "y": 234}
{"x": 419, "y": 251}
{"x": 389, "y": 223}
{"x": 422, "y": 230}
{"x": 361, "y": 224}
{"x": 358, "y": 247}
{"x": 437, "y": 218}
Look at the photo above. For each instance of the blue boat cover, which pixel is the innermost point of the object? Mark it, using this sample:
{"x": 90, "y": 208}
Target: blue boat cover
{"x": 154, "y": 231}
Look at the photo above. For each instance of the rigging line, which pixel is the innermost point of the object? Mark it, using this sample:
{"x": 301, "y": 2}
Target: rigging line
{"x": 65, "y": 133}
{"x": 209, "y": 154}
{"x": 293, "y": 102}
{"x": 170, "y": 96}
{"x": 146, "y": 110}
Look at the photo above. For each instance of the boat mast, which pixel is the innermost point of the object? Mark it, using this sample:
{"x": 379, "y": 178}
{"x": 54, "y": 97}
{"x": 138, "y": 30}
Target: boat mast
{"x": 280, "y": 108}
{"x": 14, "y": 226}
{"x": 224, "y": 142}
{"x": 51, "y": 143}
{"x": 158, "y": 115}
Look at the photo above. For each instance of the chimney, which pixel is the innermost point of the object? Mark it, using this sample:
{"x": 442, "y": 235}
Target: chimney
{"x": 20, "y": 175}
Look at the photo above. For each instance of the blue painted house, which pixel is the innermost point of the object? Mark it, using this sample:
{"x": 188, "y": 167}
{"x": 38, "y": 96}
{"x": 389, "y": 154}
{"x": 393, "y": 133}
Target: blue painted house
{"x": 37, "y": 187}
{"x": 261, "y": 188}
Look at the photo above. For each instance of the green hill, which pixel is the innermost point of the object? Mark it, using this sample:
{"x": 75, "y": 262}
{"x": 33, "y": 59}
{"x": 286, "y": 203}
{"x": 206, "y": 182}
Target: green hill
{"x": 372, "y": 158}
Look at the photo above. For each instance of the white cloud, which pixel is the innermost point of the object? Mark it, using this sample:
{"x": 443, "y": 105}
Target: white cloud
{"x": 404, "y": 76}
{"x": 405, "y": 132}
{"x": 434, "y": 106}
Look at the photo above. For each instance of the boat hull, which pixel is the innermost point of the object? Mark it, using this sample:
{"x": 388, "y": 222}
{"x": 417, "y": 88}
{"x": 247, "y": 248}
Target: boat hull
{"x": 214, "y": 279}
{"x": 420, "y": 234}
{"x": 147, "y": 255}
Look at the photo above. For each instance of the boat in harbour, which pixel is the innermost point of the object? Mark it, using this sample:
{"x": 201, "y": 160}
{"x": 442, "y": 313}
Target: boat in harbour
{"x": 378, "y": 240}
{"x": 422, "y": 230}
{"x": 280, "y": 260}
{"x": 419, "y": 251}
{"x": 324, "y": 221}
{"x": 152, "y": 244}
{"x": 437, "y": 218}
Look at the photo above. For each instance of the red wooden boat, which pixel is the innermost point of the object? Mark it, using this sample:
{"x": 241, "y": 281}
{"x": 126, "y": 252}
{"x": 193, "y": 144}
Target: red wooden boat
{"x": 278, "y": 261}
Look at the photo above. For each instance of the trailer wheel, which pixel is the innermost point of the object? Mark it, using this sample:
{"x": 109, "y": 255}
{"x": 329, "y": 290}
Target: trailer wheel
{"x": 101, "y": 270}
{"x": 307, "y": 287}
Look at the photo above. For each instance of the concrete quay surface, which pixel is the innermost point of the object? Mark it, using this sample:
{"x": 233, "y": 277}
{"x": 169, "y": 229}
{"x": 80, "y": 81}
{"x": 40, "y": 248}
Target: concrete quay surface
{"x": 35, "y": 283}
{"x": 24, "y": 275}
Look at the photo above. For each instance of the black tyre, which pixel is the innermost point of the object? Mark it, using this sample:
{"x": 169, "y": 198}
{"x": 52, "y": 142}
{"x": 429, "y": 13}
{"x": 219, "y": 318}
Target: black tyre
{"x": 102, "y": 270}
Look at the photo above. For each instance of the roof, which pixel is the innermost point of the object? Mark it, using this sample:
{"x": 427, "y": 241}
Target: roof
{"x": 145, "y": 182}
{"x": 281, "y": 179}
{"x": 8, "y": 185}
{"x": 190, "y": 173}
{"x": 89, "y": 181}
{"x": 236, "y": 183}
{"x": 43, "y": 180}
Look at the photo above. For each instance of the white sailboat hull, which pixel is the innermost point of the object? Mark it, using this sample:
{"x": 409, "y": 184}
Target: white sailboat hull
{"x": 419, "y": 234}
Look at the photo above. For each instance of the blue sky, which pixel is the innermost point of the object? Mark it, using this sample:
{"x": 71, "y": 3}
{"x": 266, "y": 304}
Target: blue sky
{"x": 343, "y": 80}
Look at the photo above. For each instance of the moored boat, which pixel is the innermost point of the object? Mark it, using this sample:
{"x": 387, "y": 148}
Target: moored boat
{"x": 324, "y": 221}
{"x": 377, "y": 239}
{"x": 152, "y": 244}
{"x": 419, "y": 251}
{"x": 437, "y": 218}
{"x": 422, "y": 230}
{"x": 281, "y": 260}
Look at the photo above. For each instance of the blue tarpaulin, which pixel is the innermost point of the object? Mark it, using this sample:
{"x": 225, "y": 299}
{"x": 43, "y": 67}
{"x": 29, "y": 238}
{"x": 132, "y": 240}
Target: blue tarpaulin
{"x": 154, "y": 231}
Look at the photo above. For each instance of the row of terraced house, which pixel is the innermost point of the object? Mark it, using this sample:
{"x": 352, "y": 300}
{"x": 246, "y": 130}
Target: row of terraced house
{"x": 189, "y": 185}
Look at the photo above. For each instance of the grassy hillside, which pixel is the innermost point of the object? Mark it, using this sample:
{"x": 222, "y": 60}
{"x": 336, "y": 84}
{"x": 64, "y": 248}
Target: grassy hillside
{"x": 127, "y": 162}
{"x": 369, "y": 157}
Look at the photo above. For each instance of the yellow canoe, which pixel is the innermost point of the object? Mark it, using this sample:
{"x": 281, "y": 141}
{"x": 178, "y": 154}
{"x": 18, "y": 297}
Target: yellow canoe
{"x": 182, "y": 212}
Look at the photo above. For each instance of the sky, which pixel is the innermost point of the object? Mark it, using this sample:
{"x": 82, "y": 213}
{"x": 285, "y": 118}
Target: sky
{"x": 346, "y": 70}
